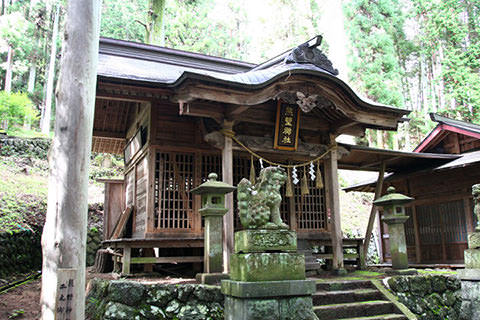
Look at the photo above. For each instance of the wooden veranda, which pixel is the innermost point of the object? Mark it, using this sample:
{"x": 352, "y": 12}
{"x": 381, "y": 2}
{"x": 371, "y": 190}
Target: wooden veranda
{"x": 177, "y": 116}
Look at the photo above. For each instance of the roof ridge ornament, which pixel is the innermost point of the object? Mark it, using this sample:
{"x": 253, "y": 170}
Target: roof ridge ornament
{"x": 308, "y": 52}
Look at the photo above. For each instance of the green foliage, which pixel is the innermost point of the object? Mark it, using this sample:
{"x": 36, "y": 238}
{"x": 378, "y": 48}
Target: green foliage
{"x": 450, "y": 38}
{"x": 15, "y": 108}
{"x": 120, "y": 19}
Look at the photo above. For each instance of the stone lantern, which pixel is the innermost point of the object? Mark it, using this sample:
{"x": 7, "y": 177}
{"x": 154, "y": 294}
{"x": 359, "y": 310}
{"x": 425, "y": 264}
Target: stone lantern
{"x": 394, "y": 216}
{"x": 213, "y": 209}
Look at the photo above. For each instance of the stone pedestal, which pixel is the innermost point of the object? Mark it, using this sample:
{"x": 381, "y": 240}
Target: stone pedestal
{"x": 213, "y": 249}
{"x": 470, "y": 278}
{"x": 267, "y": 278}
{"x": 398, "y": 244}
{"x": 265, "y": 300}
{"x": 213, "y": 209}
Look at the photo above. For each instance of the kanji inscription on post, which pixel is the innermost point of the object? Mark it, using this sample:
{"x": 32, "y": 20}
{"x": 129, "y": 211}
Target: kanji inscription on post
{"x": 287, "y": 125}
{"x": 64, "y": 306}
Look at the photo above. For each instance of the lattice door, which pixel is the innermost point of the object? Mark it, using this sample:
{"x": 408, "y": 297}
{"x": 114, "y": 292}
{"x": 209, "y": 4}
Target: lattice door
{"x": 174, "y": 178}
{"x": 310, "y": 208}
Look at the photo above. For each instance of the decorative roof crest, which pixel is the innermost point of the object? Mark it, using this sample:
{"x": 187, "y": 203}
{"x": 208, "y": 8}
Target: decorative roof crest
{"x": 308, "y": 52}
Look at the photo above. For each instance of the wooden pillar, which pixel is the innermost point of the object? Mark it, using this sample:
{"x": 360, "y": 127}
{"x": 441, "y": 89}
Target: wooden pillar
{"x": 373, "y": 211}
{"x": 468, "y": 215}
{"x": 331, "y": 174}
{"x": 418, "y": 244}
{"x": 227, "y": 177}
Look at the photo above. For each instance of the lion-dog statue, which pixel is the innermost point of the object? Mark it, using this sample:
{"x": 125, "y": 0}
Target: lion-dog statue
{"x": 259, "y": 204}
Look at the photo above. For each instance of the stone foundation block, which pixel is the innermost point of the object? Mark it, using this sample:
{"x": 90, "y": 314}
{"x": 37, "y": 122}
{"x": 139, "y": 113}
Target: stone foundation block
{"x": 472, "y": 258}
{"x": 267, "y": 266}
{"x": 211, "y": 278}
{"x": 247, "y": 241}
{"x": 272, "y": 300}
{"x": 474, "y": 240}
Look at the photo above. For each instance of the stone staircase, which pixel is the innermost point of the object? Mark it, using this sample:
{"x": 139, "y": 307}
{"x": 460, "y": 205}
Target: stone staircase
{"x": 353, "y": 300}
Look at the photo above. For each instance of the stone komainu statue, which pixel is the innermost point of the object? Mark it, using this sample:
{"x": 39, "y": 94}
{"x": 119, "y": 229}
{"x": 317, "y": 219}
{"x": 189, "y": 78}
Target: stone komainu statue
{"x": 476, "y": 204}
{"x": 259, "y": 204}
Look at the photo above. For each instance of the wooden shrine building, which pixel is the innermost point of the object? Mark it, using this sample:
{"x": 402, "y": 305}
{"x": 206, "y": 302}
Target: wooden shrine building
{"x": 442, "y": 213}
{"x": 177, "y": 116}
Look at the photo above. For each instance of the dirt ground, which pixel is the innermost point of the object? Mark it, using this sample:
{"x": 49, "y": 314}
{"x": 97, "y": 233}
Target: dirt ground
{"x": 24, "y": 300}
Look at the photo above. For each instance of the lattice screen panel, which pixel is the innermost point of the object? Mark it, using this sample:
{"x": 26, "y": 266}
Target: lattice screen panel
{"x": 174, "y": 176}
{"x": 409, "y": 227}
{"x": 310, "y": 208}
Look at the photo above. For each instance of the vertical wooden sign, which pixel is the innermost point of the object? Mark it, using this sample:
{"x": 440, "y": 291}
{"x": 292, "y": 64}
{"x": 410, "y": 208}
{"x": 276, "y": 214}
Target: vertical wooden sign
{"x": 65, "y": 302}
{"x": 286, "y": 126}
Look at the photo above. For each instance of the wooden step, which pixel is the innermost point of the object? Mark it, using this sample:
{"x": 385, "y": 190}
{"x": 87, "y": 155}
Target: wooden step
{"x": 354, "y": 309}
{"x": 344, "y": 296}
{"x": 343, "y": 285}
{"x": 391, "y": 316}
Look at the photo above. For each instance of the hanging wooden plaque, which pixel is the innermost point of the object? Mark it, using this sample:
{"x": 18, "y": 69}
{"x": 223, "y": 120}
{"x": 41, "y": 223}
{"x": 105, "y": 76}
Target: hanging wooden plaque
{"x": 287, "y": 126}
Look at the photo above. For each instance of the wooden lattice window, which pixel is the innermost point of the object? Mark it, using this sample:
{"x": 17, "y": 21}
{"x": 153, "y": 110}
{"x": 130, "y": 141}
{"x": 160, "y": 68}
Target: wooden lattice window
{"x": 310, "y": 208}
{"x": 174, "y": 178}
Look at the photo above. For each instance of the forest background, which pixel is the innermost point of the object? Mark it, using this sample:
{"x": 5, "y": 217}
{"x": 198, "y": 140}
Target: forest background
{"x": 414, "y": 54}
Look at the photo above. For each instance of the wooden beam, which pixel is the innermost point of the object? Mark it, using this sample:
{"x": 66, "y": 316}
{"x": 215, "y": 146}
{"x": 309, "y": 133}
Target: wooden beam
{"x": 109, "y": 134}
{"x": 331, "y": 170}
{"x": 227, "y": 177}
{"x": 373, "y": 211}
{"x": 198, "y": 110}
{"x": 235, "y": 111}
{"x": 191, "y": 91}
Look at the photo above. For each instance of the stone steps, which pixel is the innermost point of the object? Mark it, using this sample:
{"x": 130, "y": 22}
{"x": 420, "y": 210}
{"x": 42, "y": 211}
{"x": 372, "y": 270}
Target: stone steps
{"x": 351, "y": 300}
{"x": 344, "y": 285}
{"x": 392, "y": 316}
{"x": 344, "y": 296}
{"x": 353, "y": 309}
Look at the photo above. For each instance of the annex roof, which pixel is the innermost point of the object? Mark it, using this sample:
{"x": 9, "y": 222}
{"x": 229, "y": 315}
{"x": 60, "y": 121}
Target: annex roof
{"x": 445, "y": 127}
{"x": 370, "y": 159}
{"x": 463, "y": 160}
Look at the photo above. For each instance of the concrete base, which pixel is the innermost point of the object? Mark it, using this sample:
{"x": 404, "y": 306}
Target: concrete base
{"x": 211, "y": 278}
{"x": 269, "y": 300}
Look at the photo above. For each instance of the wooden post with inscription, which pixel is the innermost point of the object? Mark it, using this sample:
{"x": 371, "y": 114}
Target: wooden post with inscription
{"x": 64, "y": 233}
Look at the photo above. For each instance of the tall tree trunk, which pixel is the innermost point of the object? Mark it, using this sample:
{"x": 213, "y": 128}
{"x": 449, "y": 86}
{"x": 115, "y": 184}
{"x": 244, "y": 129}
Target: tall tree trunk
{"x": 64, "y": 233}
{"x": 47, "y": 114}
{"x": 155, "y": 32}
{"x": 9, "y": 70}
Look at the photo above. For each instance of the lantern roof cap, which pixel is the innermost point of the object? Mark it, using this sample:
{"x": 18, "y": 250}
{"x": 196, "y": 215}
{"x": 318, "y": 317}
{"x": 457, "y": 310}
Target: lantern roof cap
{"x": 392, "y": 198}
{"x": 213, "y": 186}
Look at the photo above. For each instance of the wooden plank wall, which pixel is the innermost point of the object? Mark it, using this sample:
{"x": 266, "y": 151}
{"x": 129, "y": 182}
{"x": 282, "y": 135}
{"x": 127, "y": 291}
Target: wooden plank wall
{"x": 141, "y": 175}
{"x": 113, "y": 206}
{"x": 444, "y": 214}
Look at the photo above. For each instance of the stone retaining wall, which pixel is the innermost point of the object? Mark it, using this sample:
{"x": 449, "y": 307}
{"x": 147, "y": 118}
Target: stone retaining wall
{"x": 430, "y": 297}
{"x": 121, "y": 299}
{"x": 33, "y": 147}
{"x": 20, "y": 252}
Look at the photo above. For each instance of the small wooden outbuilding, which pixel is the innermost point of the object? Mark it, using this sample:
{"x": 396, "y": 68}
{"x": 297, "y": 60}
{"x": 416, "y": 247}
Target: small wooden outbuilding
{"x": 177, "y": 116}
{"x": 442, "y": 213}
